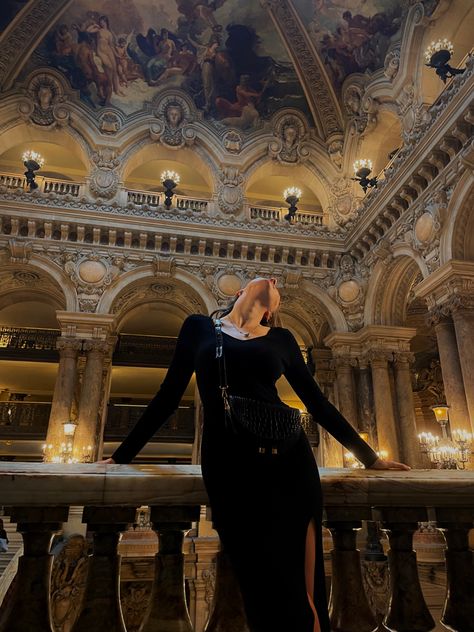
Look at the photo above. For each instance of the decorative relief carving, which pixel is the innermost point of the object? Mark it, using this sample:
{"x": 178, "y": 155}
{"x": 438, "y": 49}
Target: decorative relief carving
{"x": 104, "y": 180}
{"x": 319, "y": 92}
{"x": 291, "y": 132}
{"x": 343, "y": 206}
{"x": 110, "y": 122}
{"x": 170, "y": 292}
{"x": 413, "y": 114}
{"x": 173, "y": 125}
{"x": 361, "y": 109}
{"x": 230, "y": 196}
{"x": 20, "y": 251}
{"x": 232, "y": 141}
{"x": 44, "y": 103}
{"x": 347, "y": 286}
{"x": 392, "y": 63}
{"x": 134, "y": 598}
{"x": 68, "y": 582}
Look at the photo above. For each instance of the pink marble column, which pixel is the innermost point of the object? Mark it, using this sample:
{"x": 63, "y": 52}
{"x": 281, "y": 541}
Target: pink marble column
{"x": 410, "y": 448}
{"x": 94, "y": 384}
{"x": 463, "y": 318}
{"x": 384, "y": 412}
{"x": 451, "y": 370}
{"x": 63, "y": 389}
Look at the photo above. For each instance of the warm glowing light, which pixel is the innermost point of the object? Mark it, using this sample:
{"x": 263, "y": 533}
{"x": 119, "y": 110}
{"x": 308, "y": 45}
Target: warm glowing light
{"x": 364, "y": 436}
{"x": 362, "y": 163}
{"x": 69, "y": 428}
{"x": 441, "y": 412}
{"x": 435, "y": 47}
{"x": 170, "y": 175}
{"x": 462, "y": 436}
{"x": 292, "y": 191}
{"x": 33, "y": 155}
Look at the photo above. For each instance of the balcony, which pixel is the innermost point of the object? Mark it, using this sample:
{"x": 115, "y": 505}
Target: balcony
{"x": 39, "y": 498}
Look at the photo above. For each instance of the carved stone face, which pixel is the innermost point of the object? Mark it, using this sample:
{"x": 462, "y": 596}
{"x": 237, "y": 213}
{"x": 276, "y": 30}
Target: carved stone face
{"x": 290, "y": 135}
{"x": 45, "y": 97}
{"x": 174, "y": 115}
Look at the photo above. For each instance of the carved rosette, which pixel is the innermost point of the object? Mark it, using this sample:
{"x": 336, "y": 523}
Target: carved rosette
{"x": 291, "y": 133}
{"x": 230, "y": 196}
{"x": 172, "y": 128}
{"x": 44, "y": 103}
{"x": 347, "y": 288}
{"x": 104, "y": 180}
{"x": 91, "y": 274}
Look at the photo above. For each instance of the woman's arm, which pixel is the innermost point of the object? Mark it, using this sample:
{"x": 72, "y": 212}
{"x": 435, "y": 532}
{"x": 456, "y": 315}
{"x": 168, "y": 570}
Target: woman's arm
{"x": 323, "y": 412}
{"x": 166, "y": 400}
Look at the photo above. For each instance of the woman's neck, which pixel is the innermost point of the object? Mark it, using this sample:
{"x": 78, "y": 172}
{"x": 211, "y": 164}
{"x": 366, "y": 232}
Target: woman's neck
{"x": 247, "y": 315}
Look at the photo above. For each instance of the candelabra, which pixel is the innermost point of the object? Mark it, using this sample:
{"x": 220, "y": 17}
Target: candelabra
{"x": 292, "y": 196}
{"x": 444, "y": 452}
{"x": 65, "y": 452}
{"x": 354, "y": 463}
{"x": 437, "y": 56}
{"x": 170, "y": 180}
{"x": 33, "y": 162}
{"x": 362, "y": 170}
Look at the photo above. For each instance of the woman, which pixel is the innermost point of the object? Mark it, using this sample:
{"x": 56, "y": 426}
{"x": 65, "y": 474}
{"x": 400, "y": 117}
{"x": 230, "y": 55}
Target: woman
{"x": 267, "y": 508}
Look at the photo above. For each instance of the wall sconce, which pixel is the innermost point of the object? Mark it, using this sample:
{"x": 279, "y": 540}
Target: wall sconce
{"x": 291, "y": 196}
{"x": 33, "y": 162}
{"x": 437, "y": 56}
{"x": 170, "y": 180}
{"x": 69, "y": 428}
{"x": 362, "y": 169}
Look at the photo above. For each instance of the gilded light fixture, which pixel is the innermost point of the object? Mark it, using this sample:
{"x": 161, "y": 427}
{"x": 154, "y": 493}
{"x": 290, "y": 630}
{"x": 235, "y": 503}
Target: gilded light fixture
{"x": 362, "y": 169}
{"x": 170, "y": 180}
{"x": 33, "y": 161}
{"x": 291, "y": 196}
{"x": 437, "y": 56}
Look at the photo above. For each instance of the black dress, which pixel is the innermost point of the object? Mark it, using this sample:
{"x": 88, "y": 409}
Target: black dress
{"x": 261, "y": 503}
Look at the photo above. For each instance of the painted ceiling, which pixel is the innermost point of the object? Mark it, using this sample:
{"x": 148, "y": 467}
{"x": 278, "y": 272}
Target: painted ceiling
{"x": 226, "y": 55}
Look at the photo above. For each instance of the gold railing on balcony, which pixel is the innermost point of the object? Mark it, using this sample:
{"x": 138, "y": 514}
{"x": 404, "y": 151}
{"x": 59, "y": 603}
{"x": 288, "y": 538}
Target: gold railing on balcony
{"x": 277, "y": 214}
{"x": 38, "y": 496}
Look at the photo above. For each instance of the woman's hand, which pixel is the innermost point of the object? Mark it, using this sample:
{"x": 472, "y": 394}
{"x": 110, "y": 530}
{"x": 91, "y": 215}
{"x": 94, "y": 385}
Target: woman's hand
{"x": 108, "y": 461}
{"x": 380, "y": 464}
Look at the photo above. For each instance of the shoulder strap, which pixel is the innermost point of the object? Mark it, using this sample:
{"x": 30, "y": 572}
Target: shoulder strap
{"x": 221, "y": 360}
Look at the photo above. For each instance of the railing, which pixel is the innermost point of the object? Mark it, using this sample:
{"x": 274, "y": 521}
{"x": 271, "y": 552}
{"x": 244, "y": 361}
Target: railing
{"x": 46, "y": 185}
{"x": 277, "y": 214}
{"x": 37, "y": 497}
{"x": 140, "y": 350}
{"x": 121, "y": 418}
{"x": 24, "y": 419}
{"x": 25, "y": 338}
{"x": 12, "y": 181}
{"x": 183, "y": 202}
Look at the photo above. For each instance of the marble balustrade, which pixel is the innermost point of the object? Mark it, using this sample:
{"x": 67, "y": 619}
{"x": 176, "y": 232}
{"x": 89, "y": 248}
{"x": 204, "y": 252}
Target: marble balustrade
{"x": 37, "y": 498}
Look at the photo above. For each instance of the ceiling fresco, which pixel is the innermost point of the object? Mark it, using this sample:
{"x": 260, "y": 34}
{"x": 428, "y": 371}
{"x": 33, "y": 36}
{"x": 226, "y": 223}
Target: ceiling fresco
{"x": 9, "y": 9}
{"x": 226, "y": 55}
{"x": 354, "y": 35}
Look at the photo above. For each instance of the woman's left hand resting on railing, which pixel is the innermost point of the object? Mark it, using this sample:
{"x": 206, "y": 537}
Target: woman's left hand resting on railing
{"x": 109, "y": 461}
{"x": 380, "y": 464}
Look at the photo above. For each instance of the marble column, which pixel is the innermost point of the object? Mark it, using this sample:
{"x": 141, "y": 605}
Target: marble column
{"x": 451, "y": 370}
{"x": 365, "y": 400}
{"x": 463, "y": 318}
{"x": 347, "y": 403}
{"x": 410, "y": 448}
{"x": 384, "y": 412}
{"x": 63, "y": 389}
{"x": 89, "y": 430}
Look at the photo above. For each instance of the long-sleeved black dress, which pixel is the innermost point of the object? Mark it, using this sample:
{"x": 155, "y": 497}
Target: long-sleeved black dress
{"x": 261, "y": 503}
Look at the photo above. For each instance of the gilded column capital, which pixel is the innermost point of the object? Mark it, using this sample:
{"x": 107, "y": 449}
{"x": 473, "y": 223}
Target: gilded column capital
{"x": 344, "y": 362}
{"x": 438, "y": 315}
{"x": 102, "y": 347}
{"x": 379, "y": 358}
{"x": 68, "y": 346}
{"x": 403, "y": 358}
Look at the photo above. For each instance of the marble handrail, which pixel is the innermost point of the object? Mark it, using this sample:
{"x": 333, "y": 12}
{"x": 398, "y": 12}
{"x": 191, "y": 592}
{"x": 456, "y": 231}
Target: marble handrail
{"x": 43, "y": 484}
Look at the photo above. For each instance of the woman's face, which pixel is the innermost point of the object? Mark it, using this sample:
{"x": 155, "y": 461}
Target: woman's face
{"x": 264, "y": 291}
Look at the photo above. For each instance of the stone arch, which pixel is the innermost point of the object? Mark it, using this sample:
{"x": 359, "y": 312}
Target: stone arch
{"x": 36, "y": 281}
{"x": 191, "y": 160}
{"x": 389, "y": 289}
{"x": 122, "y": 294}
{"x": 457, "y": 239}
{"x": 328, "y": 308}
{"x": 64, "y": 145}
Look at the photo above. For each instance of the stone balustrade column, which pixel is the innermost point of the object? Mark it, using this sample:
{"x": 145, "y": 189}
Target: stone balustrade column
{"x": 455, "y": 524}
{"x": 168, "y": 609}
{"x": 462, "y": 310}
{"x": 102, "y": 610}
{"x": 349, "y": 609}
{"x": 410, "y": 447}
{"x": 91, "y": 414}
{"x": 384, "y": 412}
{"x": 451, "y": 369}
{"x": 30, "y": 607}
{"x": 63, "y": 389}
{"x": 407, "y": 611}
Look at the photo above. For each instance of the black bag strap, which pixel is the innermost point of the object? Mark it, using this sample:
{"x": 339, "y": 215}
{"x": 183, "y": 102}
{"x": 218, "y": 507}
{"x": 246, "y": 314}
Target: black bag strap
{"x": 224, "y": 387}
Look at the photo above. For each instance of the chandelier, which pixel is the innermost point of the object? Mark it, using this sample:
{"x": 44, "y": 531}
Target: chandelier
{"x": 437, "y": 56}
{"x": 33, "y": 161}
{"x": 170, "y": 180}
{"x": 445, "y": 452}
{"x": 362, "y": 170}
{"x": 292, "y": 196}
{"x": 65, "y": 452}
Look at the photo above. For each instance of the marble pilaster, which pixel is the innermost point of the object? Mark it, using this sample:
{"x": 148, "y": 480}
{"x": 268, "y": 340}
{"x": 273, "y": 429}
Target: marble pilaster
{"x": 462, "y": 310}
{"x": 410, "y": 448}
{"x": 63, "y": 389}
{"x": 347, "y": 403}
{"x": 91, "y": 418}
{"x": 365, "y": 400}
{"x": 384, "y": 409}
